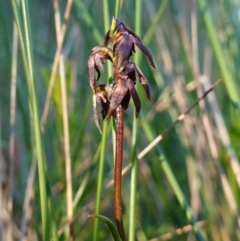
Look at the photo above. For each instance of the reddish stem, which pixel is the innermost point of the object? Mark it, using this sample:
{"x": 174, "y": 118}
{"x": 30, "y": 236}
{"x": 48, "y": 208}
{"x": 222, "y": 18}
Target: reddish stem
{"x": 118, "y": 171}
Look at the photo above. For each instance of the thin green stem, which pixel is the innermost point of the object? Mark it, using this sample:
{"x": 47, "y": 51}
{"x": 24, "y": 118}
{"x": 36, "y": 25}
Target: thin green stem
{"x": 133, "y": 184}
{"x": 36, "y": 124}
{"x": 16, "y": 14}
{"x": 111, "y": 226}
{"x": 117, "y": 7}
{"x": 106, "y": 18}
{"x": 100, "y": 179}
{"x": 28, "y": 40}
{"x": 134, "y": 170}
{"x": 138, "y": 11}
{"x": 104, "y": 138}
{"x": 106, "y": 27}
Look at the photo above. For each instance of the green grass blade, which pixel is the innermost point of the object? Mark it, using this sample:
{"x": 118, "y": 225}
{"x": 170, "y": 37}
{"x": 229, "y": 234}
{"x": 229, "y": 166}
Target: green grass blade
{"x": 104, "y": 137}
{"x": 36, "y": 123}
{"x": 52, "y": 219}
{"x": 117, "y": 7}
{"x": 232, "y": 88}
{"x": 173, "y": 182}
{"x": 89, "y": 20}
{"x": 110, "y": 224}
{"x": 100, "y": 178}
{"x": 16, "y": 13}
{"x": 106, "y": 20}
{"x": 149, "y": 34}
{"x": 133, "y": 183}
{"x": 106, "y": 17}
{"x": 134, "y": 170}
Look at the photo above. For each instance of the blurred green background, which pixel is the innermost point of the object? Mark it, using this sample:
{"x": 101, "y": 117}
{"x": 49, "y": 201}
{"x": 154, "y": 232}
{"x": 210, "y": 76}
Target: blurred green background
{"x": 193, "y": 43}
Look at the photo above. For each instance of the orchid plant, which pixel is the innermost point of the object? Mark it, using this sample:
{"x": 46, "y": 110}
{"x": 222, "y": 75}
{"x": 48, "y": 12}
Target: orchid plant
{"x": 113, "y": 100}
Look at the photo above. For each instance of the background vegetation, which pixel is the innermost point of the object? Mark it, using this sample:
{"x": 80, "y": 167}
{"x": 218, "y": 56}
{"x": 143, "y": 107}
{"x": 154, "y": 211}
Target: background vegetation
{"x": 185, "y": 188}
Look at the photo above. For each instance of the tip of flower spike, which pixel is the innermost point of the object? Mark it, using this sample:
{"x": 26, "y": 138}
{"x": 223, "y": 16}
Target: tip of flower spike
{"x": 113, "y": 27}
